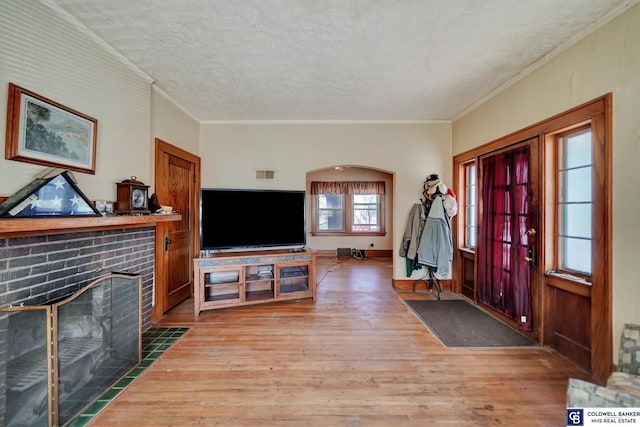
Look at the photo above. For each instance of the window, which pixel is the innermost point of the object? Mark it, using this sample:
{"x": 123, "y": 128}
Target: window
{"x": 574, "y": 202}
{"x": 365, "y": 213}
{"x": 347, "y": 207}
{"x": 470, "y": 227}
{"x": 330, "y": 212}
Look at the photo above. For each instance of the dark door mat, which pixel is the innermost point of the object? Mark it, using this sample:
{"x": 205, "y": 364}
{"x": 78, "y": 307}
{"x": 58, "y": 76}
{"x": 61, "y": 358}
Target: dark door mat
{"x": 458, "y": 323}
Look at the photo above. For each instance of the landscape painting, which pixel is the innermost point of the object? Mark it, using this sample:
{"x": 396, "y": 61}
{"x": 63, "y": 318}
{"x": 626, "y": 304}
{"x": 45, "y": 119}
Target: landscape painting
{"x": 47, "y": 133}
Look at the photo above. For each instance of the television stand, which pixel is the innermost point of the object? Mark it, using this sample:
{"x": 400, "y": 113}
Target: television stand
{"x": 234, "y": 279}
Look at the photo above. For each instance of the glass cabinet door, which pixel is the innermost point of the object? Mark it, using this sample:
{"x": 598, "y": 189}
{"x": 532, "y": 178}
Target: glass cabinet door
{"x": 294, "y": 279}
{"x": 222, "y": 286}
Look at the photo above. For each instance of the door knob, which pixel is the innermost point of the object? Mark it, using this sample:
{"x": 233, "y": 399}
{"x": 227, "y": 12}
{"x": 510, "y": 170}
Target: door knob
{"x": 531, "y": 231}
{"x": 530, "y": 255}
{"x": 167, "y": 241}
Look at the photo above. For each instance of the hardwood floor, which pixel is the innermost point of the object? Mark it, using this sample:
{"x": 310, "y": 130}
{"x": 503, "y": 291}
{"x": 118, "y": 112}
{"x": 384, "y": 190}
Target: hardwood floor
{"x": 356, "y": 357}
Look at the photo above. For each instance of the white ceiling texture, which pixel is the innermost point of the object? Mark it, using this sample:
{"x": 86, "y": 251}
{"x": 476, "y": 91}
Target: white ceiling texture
{"x": 333, "y": 60}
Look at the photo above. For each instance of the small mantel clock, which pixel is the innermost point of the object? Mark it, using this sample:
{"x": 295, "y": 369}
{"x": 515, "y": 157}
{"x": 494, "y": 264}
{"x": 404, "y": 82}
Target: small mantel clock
{"x": 132, "y": 198}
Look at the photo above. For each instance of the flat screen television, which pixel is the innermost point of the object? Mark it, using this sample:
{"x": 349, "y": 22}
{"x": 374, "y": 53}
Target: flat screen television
{"x": 251, "y": 219}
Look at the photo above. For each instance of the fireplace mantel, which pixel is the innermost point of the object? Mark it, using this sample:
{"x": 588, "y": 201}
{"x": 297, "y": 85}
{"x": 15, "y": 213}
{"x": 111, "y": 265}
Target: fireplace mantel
{"x": 21, "y": 227}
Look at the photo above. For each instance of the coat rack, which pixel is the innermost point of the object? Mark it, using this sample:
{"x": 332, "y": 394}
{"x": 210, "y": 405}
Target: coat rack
{"x": 431, "y": 190}
{"x": 430, "y": 281}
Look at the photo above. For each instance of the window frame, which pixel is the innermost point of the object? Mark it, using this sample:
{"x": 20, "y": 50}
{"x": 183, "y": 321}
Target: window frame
{"x": 465, "y": 220}
{"x": 353, "y": 213}
{"x": 556, "y": 250}
{"x": 317, "y": 210}
{"x": 348, "y": 211}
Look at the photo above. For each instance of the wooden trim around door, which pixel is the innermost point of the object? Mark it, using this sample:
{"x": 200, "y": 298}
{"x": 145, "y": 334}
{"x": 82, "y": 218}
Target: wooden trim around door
{"x": 598, "y": 113}
{"x": 162, "y": 147}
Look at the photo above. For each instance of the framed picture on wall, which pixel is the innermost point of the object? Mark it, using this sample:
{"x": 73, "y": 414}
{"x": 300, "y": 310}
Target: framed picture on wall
{"x": 44, "y": 132}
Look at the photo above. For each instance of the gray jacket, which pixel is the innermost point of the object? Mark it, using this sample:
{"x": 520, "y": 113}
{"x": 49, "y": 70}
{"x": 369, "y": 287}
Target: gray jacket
{"x": 412, "y": 232}
{"x": 436, "y": 246}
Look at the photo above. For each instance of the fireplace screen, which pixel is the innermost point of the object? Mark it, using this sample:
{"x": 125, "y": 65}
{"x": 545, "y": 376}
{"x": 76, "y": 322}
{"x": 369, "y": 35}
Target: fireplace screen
{"x": 94, "y": 339}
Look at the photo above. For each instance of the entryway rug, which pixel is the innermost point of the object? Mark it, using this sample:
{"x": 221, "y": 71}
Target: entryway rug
{"x": 458, "y": 323}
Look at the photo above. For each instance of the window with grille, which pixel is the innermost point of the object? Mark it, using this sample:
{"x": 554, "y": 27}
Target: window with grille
{"x": 574, "y": 201}
{"x": 470, "y": 226}
{"x": 365, "y": 213}
{"x": 346, "y": 207}
{"x": 330, "y": 212}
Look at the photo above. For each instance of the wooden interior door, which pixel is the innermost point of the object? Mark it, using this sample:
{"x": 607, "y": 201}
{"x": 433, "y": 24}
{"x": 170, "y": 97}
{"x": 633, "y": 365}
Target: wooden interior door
{"x": 177, "y": 183}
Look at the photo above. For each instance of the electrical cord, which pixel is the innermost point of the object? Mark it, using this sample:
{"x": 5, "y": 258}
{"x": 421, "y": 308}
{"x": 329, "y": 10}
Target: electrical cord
{"x": 329, "y": 269}
{"x": 357, "y": 254}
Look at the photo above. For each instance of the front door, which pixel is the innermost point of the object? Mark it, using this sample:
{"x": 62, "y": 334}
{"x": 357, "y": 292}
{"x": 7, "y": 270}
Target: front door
{"x": 507, "y": 253}
{"x": 177, "y": 183}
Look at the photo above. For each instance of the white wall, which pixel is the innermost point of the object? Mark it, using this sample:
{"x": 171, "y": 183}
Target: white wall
{"x": 410, "y": 151}
{"x": 173, "y": 124}
{"x": 44, "y": 53}
{"x": 608, "y": 60}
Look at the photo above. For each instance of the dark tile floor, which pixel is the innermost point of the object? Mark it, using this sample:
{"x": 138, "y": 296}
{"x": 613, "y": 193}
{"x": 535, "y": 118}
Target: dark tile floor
{"x": 154, "y": 343}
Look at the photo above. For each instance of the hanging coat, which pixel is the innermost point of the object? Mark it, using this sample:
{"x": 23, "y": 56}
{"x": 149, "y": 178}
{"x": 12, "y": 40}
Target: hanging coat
{"x": 411, "y": 237}
{"x": 436, "y": 246}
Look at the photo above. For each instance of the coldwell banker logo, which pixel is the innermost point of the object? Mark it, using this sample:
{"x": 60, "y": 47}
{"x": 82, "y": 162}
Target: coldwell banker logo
{"x": 575, "y": 417}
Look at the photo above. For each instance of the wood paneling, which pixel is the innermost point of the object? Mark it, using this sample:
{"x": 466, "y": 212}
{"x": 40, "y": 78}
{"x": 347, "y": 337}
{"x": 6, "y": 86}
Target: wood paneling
{"x": 407, "y": 285}
{"x": 355, "y": 357}
{"x": 468, "y": 281}
{"x": 568, "y": 325}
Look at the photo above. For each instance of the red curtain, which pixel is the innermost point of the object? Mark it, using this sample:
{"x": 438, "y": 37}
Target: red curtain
{"x": 503, "y": 273}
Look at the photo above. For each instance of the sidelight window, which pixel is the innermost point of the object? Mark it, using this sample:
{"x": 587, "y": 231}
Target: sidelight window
{"x": 470, "y": 226}
{"x": 574, "y": 201}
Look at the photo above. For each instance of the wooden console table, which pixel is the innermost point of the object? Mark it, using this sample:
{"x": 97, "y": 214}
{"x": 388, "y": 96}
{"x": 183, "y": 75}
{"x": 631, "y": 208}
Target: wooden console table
{"x": 241, "y": 278}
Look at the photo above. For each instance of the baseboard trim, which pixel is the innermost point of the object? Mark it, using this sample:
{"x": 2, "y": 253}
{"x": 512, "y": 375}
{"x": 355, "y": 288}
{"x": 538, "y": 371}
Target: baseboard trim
{"x": 406, "y": 285}
{"x": 367, "y": 253}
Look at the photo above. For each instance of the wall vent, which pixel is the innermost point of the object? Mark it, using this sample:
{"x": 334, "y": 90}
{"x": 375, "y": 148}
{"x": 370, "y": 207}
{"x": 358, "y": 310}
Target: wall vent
{"x": 346, "y": 252}
{"x": 265, "y": 174}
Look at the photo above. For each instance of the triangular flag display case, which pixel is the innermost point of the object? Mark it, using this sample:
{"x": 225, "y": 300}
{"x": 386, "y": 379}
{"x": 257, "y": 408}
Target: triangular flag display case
{"x": 50, "y": 195}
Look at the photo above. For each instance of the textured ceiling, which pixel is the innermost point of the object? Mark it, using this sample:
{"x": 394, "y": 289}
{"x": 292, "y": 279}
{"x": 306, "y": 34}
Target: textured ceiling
{"x": 225, "y": 60}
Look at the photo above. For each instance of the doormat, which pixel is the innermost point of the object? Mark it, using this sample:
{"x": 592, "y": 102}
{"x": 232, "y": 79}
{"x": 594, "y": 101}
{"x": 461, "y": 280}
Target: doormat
{"x": 458, "y": 323}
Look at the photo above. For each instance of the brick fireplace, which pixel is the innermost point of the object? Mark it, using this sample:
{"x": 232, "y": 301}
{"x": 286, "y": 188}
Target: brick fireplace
{"x": 61, "y": 356}
{"x": 35, "y": 270}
